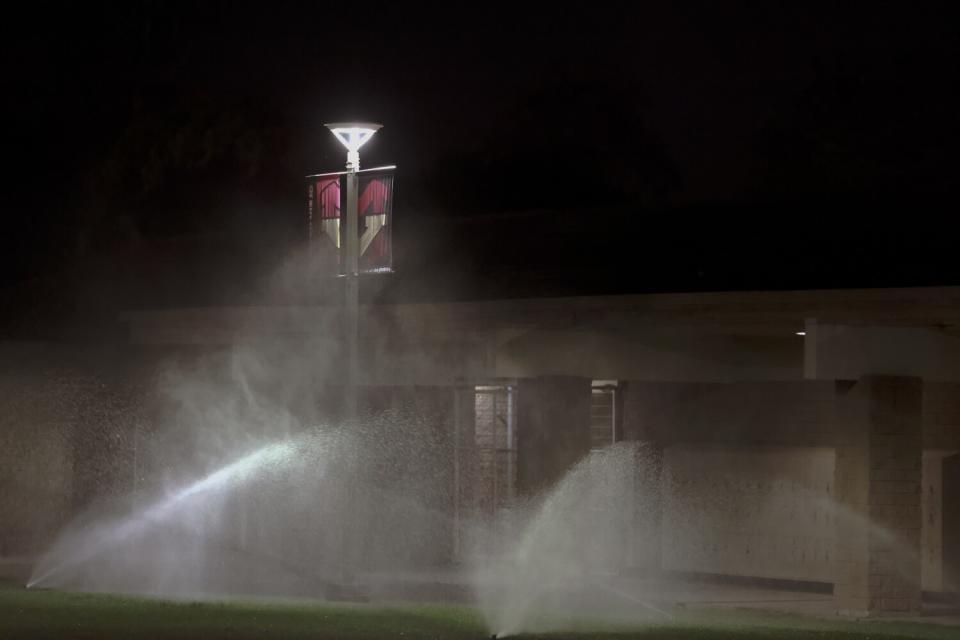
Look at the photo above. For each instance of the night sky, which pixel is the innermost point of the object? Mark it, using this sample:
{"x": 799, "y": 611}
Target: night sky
{"x": 155, "y": 151}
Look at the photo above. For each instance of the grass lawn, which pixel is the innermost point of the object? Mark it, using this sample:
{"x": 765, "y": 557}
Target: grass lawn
{"x": 52, "y": 614}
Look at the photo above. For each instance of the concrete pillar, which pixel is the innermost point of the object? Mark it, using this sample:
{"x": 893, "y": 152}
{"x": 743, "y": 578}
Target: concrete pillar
{"x": 951, "y": 524}
{"x": 553, "y": 429}
{"x": 877, "y": 495}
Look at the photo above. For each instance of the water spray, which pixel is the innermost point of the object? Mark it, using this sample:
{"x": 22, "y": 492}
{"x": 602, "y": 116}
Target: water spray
{"x": 110, "y": 534}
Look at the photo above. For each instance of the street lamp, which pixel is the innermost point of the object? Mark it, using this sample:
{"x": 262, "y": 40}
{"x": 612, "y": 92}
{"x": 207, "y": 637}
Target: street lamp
{"x": 353, "y": 135}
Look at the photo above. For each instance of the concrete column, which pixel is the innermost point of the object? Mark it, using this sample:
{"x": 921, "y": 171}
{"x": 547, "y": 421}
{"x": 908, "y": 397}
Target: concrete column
{"x": 553, "y": 429}
{"x": 951, "y": 524}
{"x": 877, "y": 495}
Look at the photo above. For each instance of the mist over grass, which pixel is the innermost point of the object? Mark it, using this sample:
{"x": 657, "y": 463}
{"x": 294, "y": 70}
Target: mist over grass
{"x": 53, "y": 614}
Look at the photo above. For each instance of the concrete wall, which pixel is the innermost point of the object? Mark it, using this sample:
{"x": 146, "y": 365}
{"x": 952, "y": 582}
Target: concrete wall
{"x": 878, "y": 480}
{"x": 396, "y": 346}
{"x": 648, "y": 354}
{"x": 553, "y": 418}
{"x": 40, "y": 400}
{"x": 758, "y": 511}
{"x": 941, "y": 439}
{"x": 738, "y": 414}
{"x": 747, "y": 474}
{"x": 848, "y": 352}
{"x": 69, "y": 418}
{"x": 804, "y": 480}
{"x": 941, "y": 415}
{"x": 951, "y": 523}
{"x": 410, "y": 462}
{"x": 931, "y": 528}
{"x": 36, "y": 472}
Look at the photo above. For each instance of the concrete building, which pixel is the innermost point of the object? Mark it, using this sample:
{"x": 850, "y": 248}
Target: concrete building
{"x": 806, "y": 436}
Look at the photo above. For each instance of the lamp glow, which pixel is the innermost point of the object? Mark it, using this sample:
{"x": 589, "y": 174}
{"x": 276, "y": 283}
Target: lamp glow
{"x": 353, "y": 135}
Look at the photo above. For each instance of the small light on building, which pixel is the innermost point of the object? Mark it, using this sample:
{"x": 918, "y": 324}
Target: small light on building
{"x": 801, "y": 333}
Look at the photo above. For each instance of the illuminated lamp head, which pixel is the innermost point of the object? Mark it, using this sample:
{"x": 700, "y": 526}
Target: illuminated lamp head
{"x": 353, "y": 135}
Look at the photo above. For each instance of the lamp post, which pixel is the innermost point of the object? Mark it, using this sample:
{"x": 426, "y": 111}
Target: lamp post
{"x": 352, "y": 135}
